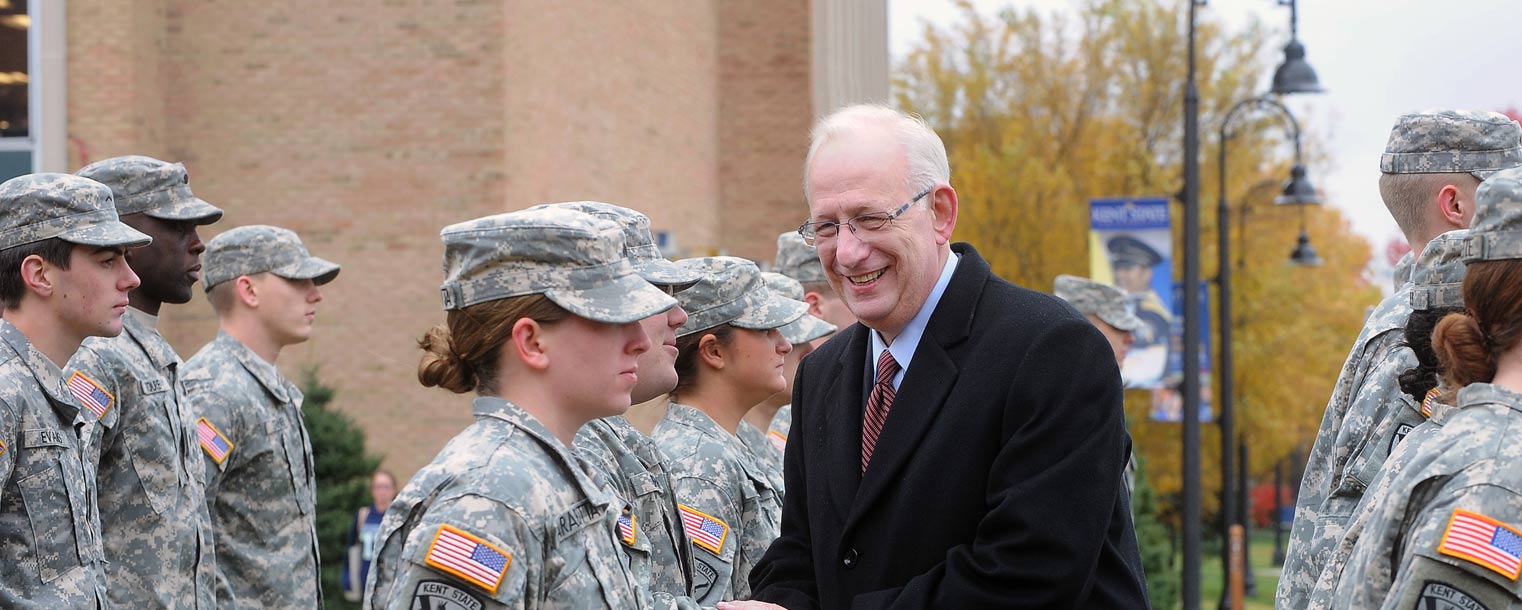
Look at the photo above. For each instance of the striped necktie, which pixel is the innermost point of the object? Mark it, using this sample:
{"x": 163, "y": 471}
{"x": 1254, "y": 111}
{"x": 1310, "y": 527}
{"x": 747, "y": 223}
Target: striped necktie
{"x": 878, "y": 403}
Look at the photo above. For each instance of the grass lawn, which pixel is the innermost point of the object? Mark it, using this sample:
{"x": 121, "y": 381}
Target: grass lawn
{"x": 1260, "y": 554}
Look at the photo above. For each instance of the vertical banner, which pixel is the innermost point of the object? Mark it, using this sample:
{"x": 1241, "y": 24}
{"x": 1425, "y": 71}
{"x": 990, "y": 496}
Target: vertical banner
{"x": 1131, "y": 247}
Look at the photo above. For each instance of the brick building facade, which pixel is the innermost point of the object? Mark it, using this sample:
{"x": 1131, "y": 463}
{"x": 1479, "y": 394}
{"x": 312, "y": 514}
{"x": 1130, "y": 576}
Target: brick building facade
{"x": 368, "y": 126}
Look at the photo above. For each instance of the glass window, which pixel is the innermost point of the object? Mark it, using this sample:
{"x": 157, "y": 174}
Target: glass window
{"x": 15, "y": 81}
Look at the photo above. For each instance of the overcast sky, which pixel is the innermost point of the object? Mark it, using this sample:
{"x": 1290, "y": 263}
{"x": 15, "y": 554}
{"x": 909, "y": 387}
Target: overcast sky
{"x": 1376, "y": 58}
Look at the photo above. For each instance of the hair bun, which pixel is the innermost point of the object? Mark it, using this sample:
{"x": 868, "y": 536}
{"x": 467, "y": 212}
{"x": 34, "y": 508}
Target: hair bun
{"x": 441, "y": 365}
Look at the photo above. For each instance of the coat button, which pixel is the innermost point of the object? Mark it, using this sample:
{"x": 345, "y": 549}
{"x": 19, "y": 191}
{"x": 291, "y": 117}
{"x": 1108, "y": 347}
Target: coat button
{"x": 849, "y": 559}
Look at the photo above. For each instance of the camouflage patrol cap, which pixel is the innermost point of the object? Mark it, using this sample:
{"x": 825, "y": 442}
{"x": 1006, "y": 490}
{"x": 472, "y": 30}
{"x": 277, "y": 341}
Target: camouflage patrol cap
{"x": 1479, "y": 143}
{"x": 258, "y": 249}
{"x": 1103, "y": 301}
{"x": 574, "y": 259}
{"x": 806, "y": 328}
{"x": 153, "y": 187}
{"x": 77, "y": 210}
{"x": 1437, "y": 278}
{"x": 1496, "y": 231}
{"x": 639, "y": 243}
{"x": 732, "y": 292}
{"x": 798, "y": 260}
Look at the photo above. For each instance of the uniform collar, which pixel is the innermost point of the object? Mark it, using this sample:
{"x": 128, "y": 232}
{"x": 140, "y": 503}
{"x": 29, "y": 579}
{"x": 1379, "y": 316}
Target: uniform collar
{"x": 504, "y": 410}
{"x": 1476, "y": 394}
{"x": 268, "y": 375}
{"x": 143, "y": 328}
{"x": 49, "y": 377}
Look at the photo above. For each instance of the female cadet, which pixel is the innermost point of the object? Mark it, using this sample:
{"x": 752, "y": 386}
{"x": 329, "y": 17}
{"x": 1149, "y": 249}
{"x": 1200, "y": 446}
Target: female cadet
{"x": 729, "y": 358}
{"x": 1442, "y": 528}
{"x": 761, "y": 434}
{"x": 543, "y": 326}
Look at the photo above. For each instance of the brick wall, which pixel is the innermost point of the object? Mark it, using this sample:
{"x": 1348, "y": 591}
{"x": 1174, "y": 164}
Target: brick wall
{"x": 368, "y": 126}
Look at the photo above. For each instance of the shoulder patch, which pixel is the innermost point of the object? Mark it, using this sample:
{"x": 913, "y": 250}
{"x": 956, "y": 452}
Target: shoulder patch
{"x": 90, "y": 394}
{"x": 2, "y": 447}
{"x": 1443, "y": 595}
{"x": 627, "y": 527}
{"x": 216, "y": 445}
{"x": 1427, "y": 401}
{"x": 1484, "y": 541}
{"x": 474, "y": 560}
{"x": 704, "y": 530}
{"x": 440, "y": 595}
{"x": 778, "y": 439}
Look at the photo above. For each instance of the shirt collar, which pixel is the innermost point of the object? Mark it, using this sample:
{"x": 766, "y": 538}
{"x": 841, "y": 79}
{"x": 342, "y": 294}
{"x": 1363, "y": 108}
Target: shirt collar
{"x": 147, "y": 319}
{"x": 49, "y": 377}
{"x": 266, "y": 372}
{"x": 909, "y": 339}
{"x": 507, "y": 411}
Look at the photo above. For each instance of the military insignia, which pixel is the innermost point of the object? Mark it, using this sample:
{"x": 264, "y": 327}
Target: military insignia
{"x": 1427, "y": 401}
{"x": 1443, "y": 596}
{"x": 440, "y": 595}
{"x": 778, "y": 439}
{"x": 462, "y": 554}
{"x": 216, "y": 445}
{"x": 1400, "y": 435}
{"x": 626, "y": 528}
{"x": 90, "y": 394}
{"x": 1484, "y": 541}
{"x": 704, "y": 530}
{"x": 2, "y": 447}
{"x": 703, "y": 578}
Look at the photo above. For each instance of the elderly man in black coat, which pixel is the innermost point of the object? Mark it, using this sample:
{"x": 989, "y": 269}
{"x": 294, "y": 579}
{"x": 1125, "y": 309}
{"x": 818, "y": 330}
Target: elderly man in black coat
{"x": 963, "y": 446}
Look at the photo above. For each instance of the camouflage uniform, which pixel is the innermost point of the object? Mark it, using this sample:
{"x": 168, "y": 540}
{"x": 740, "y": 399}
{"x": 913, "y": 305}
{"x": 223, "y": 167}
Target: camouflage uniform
{"x": 623, "y": 455}
{"x": 723, "y": 492}
{"x": 782, "y": 424}
{"x": 1367, "y": 391}
{"x": 261, "y": 487}
{"x": 767, "y": 446}
{"x": 50, "y": 543}
{"x": 537, "y": 528}
{"x": 157, "y": 532}
{"x": 765, "y": 454}
{"x": 730, "y": 508}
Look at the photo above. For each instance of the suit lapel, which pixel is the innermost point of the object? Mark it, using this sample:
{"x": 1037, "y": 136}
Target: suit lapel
{"x": 931, "y": 375}
{"x": 843, "y": 402}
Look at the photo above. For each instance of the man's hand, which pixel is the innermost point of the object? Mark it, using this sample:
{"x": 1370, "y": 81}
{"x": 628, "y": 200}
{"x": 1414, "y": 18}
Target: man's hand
{"x": 749, "y": 605}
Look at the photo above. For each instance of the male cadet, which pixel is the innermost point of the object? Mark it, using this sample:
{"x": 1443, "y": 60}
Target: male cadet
{"x": 1431, "y": 167}
{"x": 156, "y": 531}
{"x": 1105, "y": 307}
{"x": 262, "y": 284}
{"x": 62, "y": 278}
{"x": 660, "y": 558}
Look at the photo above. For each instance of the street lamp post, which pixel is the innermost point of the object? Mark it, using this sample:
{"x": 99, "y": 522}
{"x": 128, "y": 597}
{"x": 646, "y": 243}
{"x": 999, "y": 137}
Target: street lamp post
{"x": 1297, "y": 191}
{"x": 1191, "y": 457}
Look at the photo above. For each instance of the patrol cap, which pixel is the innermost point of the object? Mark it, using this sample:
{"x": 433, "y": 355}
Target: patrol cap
{"x": 732, "y": 292}
{"x": 574, "y": 259}
{"x": 1125, "y": 249}
{"x": 153, "y": 187}
{"x": 1496, "y": 231}
{"x": 1104, "y": 301}
{"x": 258, "y": 249}
{"x": 797, "y": 259}
{"x": 806, "y": 328}
{"x": 1479, "y": 143}
{"x": 77, "y": 210}
{"x": 1437, "y": 278}
{"x": 639, "y": 243}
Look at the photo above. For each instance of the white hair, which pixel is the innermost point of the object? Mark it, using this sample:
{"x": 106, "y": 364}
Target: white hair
{"x": 925, "y": 151}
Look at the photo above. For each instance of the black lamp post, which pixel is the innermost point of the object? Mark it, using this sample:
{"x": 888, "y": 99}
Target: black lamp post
{"x": 1297, "y": 191}
{"x": 1191, "y": 458}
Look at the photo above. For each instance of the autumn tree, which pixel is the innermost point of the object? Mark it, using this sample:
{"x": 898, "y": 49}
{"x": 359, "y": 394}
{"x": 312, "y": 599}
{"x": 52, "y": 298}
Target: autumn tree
{"x": 1042, "y": 112}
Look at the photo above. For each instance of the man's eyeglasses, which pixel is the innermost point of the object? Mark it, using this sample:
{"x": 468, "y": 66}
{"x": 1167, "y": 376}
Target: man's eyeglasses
{"x": 814, "y": 231}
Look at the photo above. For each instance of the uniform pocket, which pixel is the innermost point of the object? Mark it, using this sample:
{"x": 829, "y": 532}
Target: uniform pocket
{"x": 52, "y": 516}
{"x": 287, "y": 448}
{"x": 155, "y": 456}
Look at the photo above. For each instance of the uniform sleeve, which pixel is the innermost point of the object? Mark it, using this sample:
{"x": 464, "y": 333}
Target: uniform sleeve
{"x": 104, "y": 368}
{"x": 785, "y": 575}
{"x": 10, "y": 433}
{"x": 1462, "y": 550}
{"x": 467, "y": 551}
{"x": 219, "y": 429}
{"x": 710, "y": 513}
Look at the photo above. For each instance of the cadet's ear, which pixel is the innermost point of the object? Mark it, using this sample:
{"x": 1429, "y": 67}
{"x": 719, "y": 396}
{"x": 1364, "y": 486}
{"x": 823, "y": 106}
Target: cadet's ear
{"x": 813, "y": 298}
{"x": 246, "y": 291}
{"x": 35, "y": 274}
{"x": 709, "y": 352}
{"x": 527, "y": 343}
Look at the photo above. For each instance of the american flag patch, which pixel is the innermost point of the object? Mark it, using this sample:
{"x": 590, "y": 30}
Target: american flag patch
{"x": 1485, "y": 541}
{"x": 704, "y": 530}
{"x": 90, "y": 394}
{"x": 626, "y": 528}
{"x": 468, "y": 557}
{"x": 216, "y": 445}
{"x": 778, "y": 439}
{"x": 1427, "y": 401}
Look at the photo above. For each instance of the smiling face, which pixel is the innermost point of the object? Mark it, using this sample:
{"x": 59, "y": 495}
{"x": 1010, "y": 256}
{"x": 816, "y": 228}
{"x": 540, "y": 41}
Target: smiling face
{"x": 91, "y": 295}
{"x": 884, "y": 276}
{"x": 170, "y": 266}
{"x": 657, "y": 365}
